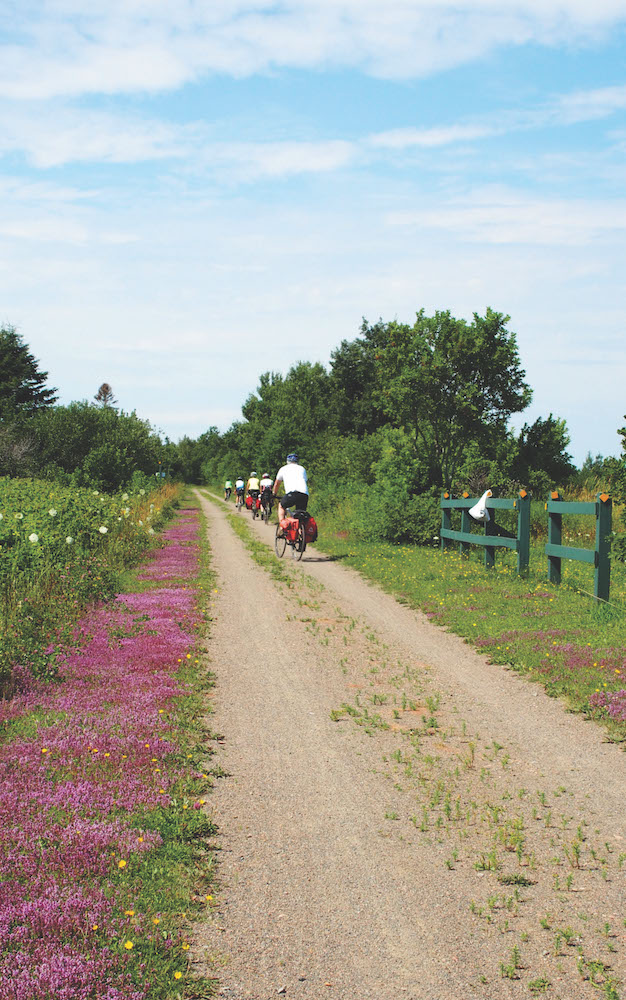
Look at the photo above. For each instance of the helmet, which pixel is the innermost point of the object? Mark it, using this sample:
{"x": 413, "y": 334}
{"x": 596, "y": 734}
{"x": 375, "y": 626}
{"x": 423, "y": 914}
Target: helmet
{"x": 253, "y": 473}
{"x": 266, "y": 475}
{"x": 292, "y": 457}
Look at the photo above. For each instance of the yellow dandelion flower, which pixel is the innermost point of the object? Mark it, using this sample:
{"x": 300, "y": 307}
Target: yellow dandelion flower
{"x": 129, "y": 945}
{"x": 94, "y": 927}
{"x": 156, "y": 920}
{"x": 185, "y": 947}
{"x": 129, "y": 913}
{"x": 121, "y": 863}
{"x": 178, "y": 975}
{"x": 44, "y": 749}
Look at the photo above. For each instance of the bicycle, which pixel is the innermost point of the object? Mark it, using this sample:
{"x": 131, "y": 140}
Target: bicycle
{"x": 239, "y": 502}
{"x": 297, "y": 543}
{"x": 266, "y": 509}
{"x": 227, "y": 493}
{"x": 254, "y": 510}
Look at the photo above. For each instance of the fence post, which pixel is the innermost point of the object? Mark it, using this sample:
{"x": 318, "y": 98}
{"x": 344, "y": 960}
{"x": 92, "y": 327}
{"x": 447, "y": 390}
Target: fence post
{"x": 523, "y": 532}
{"x": 555, "y": 535}
{"x": 602, "y": 578}
{"x": 490, "y": 552}
{"x": 466, "y": 525}
{"x": 446, "y": 520}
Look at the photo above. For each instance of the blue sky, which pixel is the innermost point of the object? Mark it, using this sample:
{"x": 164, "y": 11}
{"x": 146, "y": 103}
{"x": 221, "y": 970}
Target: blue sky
{"x": 194, "y": 193}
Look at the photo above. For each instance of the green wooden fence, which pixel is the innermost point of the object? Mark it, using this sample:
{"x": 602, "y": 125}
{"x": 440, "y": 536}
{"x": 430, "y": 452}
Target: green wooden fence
{"x": 494, "y": 536}
{"x": 599, "y": 557}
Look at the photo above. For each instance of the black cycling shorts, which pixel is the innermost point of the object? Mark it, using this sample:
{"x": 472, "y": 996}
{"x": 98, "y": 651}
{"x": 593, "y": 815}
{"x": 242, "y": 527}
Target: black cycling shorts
{"x": 295, "y": 499}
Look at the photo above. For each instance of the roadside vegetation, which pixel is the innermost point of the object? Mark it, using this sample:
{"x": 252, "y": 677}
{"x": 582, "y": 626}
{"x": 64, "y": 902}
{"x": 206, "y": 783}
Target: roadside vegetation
{"x": 61, "y": 549}
{"x": 104, "y": 838}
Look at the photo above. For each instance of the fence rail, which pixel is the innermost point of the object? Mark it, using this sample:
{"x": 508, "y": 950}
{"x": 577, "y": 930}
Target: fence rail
{"x": 599, "y": 557}
{"x": 495, "y": 536}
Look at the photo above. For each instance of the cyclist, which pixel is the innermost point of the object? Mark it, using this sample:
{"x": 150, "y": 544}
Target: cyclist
{"x": 266, "y": 491}
{"x": 228, "y": 489}
{"x": 239, "y": 488}
{"x": 294, "y": 480}
{"x": 253, "y": 487}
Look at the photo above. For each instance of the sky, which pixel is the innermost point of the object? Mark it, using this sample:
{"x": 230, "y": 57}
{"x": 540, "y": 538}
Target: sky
{"x": 193, "y": 193}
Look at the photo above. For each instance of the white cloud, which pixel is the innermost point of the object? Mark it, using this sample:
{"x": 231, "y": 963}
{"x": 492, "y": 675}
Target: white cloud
{"x": 72, "y": 48}
{"x": 587, "y": 105}
{"x": 52, "y": 136}
{"x": 506, "y": 217}
{"x": 407, "y": 138}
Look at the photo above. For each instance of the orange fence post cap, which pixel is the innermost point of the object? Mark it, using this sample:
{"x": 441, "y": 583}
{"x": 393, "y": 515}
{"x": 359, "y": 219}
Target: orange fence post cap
{"x": 604, "y": 497}
{"x": 446, "y": 496}
{"x": 523, "y": 493}
{"x": 465, "y": 494}
{"x": 555, "y": 494}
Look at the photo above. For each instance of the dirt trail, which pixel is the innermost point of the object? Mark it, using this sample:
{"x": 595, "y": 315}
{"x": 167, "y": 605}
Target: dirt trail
{"x": 322, "y": 892}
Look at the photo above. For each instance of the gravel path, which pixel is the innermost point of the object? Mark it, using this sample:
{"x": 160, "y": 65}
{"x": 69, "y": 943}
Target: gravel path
{"x": 327, "y": 886}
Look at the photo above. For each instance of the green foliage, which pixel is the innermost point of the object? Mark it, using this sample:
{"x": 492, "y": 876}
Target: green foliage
{"x": 89, "y": 445}
{"x": 448, "y": 382}
{"x": 541, "y": 462}
{"x": 61, "y": 548}
{"x": 22, "y": 384}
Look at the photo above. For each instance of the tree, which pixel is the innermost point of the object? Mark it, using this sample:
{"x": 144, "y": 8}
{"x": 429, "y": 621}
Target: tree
{"x": 542, "y": 462}
{"x": 448, "y": 382}
{"x": 105, "y": 396}
{"x": 95, "y": 446}
{"x": 22, "y": 385}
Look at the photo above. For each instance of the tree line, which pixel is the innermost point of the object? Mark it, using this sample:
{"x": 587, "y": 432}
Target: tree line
{"x": 400, "y": 412}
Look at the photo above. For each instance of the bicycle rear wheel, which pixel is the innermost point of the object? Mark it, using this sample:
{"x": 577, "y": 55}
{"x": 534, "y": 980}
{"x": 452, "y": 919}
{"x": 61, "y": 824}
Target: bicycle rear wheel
{"x": 280, "y": 542}
{"x": 299, "y": 545}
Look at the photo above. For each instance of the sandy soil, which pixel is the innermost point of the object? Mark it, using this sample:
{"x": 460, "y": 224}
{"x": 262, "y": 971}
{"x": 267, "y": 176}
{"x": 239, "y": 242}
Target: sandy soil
{"x": 379, "y": 774}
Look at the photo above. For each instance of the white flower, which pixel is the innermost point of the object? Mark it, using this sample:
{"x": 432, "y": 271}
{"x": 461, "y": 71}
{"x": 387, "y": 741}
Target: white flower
{"x": 124, "y": 496}
{"x": 140, "y": 522}
{"x": 150, "y": 531}
{"x": 119, "y": 519}
{"x": 52, "y": 512}
{"x": 1, "y": 517}
{"x": 69, "y": 540}
{"x": 126, "y": 511}
{"x": 102, "y": 529}
{"x": 142, "y": 493}
{"x": 19, "y": 517}
{"x": 151, "y": 506}
{"x": 33, "y": 538}
{"x": 95, "y": 493}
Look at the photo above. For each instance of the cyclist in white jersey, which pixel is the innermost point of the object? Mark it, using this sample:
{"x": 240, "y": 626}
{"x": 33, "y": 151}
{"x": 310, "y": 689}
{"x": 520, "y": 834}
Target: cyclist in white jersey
{"x": 294, "y": 480}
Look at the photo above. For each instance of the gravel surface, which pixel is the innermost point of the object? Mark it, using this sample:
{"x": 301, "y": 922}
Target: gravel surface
{"x": 343, "y": 872}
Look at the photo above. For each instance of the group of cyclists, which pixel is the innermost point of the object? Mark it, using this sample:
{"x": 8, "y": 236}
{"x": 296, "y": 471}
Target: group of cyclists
{"x": 294, "y": 482}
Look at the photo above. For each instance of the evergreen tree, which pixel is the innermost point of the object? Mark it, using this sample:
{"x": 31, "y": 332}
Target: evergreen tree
{"x": 22, "y": 385}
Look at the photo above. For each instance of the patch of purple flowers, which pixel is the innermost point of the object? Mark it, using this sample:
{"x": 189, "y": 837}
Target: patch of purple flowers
{"x": 612, "y": 702}
{"x": 78, "y": 759}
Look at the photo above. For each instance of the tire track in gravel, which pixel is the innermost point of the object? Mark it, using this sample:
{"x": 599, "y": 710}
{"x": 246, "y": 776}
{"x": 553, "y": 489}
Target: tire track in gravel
{"x": 317, "y": 898}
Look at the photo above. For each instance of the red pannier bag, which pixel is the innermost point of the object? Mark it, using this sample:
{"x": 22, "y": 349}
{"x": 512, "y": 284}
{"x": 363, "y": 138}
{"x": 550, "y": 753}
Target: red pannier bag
{"x": 290, "y": 528}
{"x": 310, "y": 530}
{"x": 258, "y": 503}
